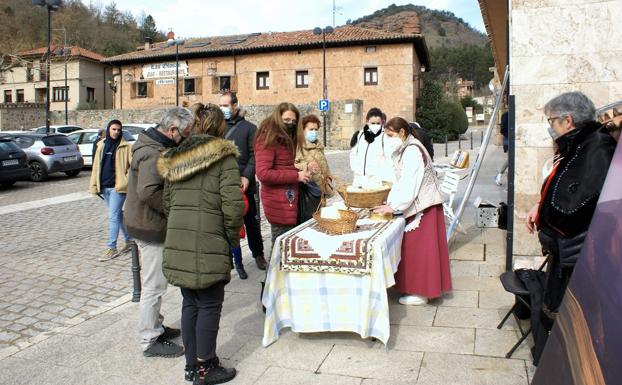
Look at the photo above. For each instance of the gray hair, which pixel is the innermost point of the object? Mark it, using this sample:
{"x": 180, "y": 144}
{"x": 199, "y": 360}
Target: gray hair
{"x": 574, "y": 104}
{"x": 178, "y": 117}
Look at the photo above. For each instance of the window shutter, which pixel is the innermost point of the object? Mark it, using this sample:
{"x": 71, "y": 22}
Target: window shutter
{"x": 198, "y": 86}
{"x": 215, "y": 85}
{"x": 234, "y": 83}
{"x": 181, "y": 87}
{"x": 150, "y": 89}
{"x": 133, "y": 90}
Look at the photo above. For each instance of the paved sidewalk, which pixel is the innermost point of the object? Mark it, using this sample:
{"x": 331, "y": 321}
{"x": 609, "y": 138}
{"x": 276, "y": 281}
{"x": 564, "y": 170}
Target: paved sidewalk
{"x": 453, "y": 340}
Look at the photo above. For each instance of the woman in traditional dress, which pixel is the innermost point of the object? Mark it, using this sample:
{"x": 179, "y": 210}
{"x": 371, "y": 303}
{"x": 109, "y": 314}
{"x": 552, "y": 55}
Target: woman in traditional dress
{"x": 423, "y": 272}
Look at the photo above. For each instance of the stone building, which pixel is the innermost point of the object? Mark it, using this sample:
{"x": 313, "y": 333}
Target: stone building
{"x": 554, "y": 47}
{"x": 381, "y": 68}
{"x": 86, "y": 78}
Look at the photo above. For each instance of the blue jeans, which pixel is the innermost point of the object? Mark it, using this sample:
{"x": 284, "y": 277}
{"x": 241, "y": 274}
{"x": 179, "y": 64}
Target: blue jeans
{"x": 114, "y": 201}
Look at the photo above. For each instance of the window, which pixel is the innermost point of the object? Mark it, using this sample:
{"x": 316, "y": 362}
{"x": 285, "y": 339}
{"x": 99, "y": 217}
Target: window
{"x": 59, "y": 94}
{"x": 141, "y": 89}
{"x": 75, "y": 138}
{"x": 370, "y": 49}
{"x": 8, "y": 96}
{"x": 224, "y": 83}
{"x": 90, "y": 94}
{"x": 24, "y": 142}
{"x": 91, "y": 137}
{"x": 29, "y": 76}
{"x": 56, "y": 140}
{"x": 371, "y": 76}
{"x": 302, "y": 79}
{"x": 189, "y": 87}
{"x": 43, "y": 72}
{"x": 19, "y": 96}
{"x": 262, "y": 80}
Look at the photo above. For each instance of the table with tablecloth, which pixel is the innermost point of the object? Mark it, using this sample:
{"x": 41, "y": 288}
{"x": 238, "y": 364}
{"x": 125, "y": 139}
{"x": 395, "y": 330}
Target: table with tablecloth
{"x": 347, "y": 295}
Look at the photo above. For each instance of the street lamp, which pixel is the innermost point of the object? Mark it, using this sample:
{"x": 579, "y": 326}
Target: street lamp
{"x": 323, "y": 32}
{"x": 50, "y": 5}
{"x": 175, "y": 42}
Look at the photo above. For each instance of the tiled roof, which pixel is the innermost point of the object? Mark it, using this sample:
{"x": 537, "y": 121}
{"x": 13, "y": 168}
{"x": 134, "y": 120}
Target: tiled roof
{"x": 75, "y": 52}
{"x": 270, "y": 42}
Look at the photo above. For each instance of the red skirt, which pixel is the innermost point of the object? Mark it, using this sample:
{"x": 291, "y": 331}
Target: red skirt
{"x": 424, "y": 267}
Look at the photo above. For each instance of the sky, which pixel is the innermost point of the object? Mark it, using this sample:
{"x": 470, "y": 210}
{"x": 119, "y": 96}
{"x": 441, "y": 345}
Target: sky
{"x": 200, "y": 18}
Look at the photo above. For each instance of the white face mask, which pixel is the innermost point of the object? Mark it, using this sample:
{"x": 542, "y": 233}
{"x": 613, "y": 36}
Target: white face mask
{"x": 375, "y": 128}
{"x": 393, "y": 143}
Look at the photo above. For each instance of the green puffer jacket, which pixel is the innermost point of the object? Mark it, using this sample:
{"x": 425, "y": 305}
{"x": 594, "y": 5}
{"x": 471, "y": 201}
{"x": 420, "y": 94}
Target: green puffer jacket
{"x": 203, "y": 202}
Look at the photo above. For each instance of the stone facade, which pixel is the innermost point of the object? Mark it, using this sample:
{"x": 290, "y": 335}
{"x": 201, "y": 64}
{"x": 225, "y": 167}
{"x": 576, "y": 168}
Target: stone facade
{"x": 556, "y": 46}
{"x": 395, "y": 93}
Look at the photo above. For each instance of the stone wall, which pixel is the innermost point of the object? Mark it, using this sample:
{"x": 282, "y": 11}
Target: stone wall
{"x": 556, "y": 47}
{"x": 21, "y": 116}
{"x": 343, "y": 118}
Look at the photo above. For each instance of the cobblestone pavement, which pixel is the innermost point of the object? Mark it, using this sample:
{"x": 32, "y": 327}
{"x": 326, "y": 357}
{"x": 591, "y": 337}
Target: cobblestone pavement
{"x": 48, "y": 261}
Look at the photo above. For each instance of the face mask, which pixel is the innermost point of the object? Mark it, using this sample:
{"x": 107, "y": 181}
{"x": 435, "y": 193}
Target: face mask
{"x": 290, "y": 126}
{"x": 553, "y": 133}
{"x": 311, "y": 136}
{"x": 375, "y": 128}
{"x": 227, "y": 112}
{"x": 393, "y": 142}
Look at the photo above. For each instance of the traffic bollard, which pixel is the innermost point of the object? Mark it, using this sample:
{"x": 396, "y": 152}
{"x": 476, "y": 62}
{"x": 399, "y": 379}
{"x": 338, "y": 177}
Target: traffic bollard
{"x": 135, "y": 273}
{"x": 446, "y": 150}
{"x": 471, "y": 140}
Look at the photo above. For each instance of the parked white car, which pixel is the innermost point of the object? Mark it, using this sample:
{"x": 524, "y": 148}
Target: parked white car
{"x": 56, "y": 129}
{"x": 85, "y": 139}
{"x": 137, "y": 128}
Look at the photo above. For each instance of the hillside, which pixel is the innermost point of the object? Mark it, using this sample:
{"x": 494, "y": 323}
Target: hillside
{"x": 440, "y": 28}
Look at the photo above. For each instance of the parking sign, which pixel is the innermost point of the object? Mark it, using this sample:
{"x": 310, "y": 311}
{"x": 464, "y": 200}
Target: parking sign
{"x": 324, "y": 104}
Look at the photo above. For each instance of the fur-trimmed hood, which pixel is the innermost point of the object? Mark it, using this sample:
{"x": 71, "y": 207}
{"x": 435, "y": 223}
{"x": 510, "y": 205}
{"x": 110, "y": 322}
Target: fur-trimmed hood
{"x": 195, "y": 154}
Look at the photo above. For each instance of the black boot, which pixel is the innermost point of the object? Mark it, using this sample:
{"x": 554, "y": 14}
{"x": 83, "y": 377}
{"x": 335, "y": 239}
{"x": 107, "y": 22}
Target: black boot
{"x": 239, "y": 267}
{"x": 211, "y": 372}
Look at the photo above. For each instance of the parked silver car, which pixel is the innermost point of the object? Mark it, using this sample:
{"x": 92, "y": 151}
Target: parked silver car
{"x": 48, "y": 154}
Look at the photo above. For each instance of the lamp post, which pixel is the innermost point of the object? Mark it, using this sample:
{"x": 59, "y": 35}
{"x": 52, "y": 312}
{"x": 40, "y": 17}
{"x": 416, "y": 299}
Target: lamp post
{"x": 323, "y": 32}
{"x": 50, "y": 5}
{"x": 175, "y": 42}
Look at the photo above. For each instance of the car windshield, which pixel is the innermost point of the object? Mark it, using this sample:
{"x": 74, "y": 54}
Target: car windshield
{"x": 56, "y": 140}
{"x": 128, "y": 136}
{"x": 75, "y": 138}
{"x": 24, "y": 141}
{"x": 41, "y": 130}
{"x": 68, "y": 129}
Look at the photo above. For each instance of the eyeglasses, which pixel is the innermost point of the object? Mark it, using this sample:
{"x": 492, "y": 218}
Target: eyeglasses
{"x": 551, "y": 120}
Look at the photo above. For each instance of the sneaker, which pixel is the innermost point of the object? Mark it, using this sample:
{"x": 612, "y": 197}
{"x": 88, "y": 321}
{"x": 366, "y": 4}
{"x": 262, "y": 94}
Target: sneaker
{"x": 126, "y": 248}
{"x": 211, "y": 372}
{"x": 189, "y": 372}
{"x": 413, "y": 300}
{"x": 165, "y": 349}
{"x": 169, "y": 334}
{"x": 498, "y": 179}
{"x": 108, "y": 255}
{"x": 261, "y": 262}
{"x": 241, "y": 272}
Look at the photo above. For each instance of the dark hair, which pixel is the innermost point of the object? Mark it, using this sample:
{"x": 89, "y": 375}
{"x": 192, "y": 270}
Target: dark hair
{"x": 384, "y": 117}
{"x": 311, "y": 118}
{"x": 272, "y": 130}
{"x": 114, "y": 121}
{"x": 374, "y": 111}
{"x": 232, "y": 95}
{"x": 397, "y": 124}
{"x": 208, "y": 119}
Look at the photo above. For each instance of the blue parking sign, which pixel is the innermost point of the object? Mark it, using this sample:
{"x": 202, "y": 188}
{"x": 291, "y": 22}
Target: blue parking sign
{"x": 323, "y": 105}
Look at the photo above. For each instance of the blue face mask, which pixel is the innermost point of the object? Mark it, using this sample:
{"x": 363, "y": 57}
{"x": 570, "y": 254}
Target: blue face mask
{"x": 227, "y": 112}
{"x": 311, "y": 136}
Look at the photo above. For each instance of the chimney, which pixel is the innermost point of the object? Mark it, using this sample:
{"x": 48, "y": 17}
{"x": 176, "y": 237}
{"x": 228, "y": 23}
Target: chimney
{"x": 148, "y": 42}
{"x": 412, "y": 24}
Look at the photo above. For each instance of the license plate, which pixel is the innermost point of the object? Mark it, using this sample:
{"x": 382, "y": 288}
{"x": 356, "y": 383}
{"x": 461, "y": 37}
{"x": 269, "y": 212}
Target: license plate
{"x": 11, "y": 162}
{"x": 70, "y": 158}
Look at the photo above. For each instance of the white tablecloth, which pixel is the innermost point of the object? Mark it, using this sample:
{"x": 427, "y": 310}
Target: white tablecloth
{"x": 315, "y": 302}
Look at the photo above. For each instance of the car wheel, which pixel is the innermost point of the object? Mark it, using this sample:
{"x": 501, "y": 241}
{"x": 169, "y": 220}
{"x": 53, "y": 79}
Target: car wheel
{"x": 72, "y": 172}
{"x": 38, "y": 173}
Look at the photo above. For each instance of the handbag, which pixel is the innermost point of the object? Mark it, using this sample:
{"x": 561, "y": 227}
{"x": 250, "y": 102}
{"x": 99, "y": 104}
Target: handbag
{"x": 309, "y": 199}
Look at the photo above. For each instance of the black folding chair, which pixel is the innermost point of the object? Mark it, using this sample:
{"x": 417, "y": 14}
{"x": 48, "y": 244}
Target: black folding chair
{"x": 512, "y": 284}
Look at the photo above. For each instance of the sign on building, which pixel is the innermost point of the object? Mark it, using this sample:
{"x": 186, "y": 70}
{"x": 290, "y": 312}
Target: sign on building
{"x": 469, "y": 112}
{"x": 161, "y": 82}
{"x": 164, "y": 70}
{"x": 323, "y": 105}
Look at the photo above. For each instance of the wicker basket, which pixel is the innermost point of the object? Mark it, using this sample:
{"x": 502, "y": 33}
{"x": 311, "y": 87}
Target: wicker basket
{"x": 367, "y": 199}
{"x": 345, "y": 225}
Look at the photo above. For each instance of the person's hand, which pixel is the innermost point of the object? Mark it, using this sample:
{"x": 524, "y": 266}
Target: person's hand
{"x": 304, "y": 176}
{"x": 532, "y": 219}
{"x": 384, "y": 209}
{"x": 313, "y": 167}
{"x": 244, "y": 183}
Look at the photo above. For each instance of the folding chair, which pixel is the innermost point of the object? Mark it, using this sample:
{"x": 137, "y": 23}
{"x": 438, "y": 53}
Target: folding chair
{"x": 449, "y": 187}
{"x": 512, "y": 284}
